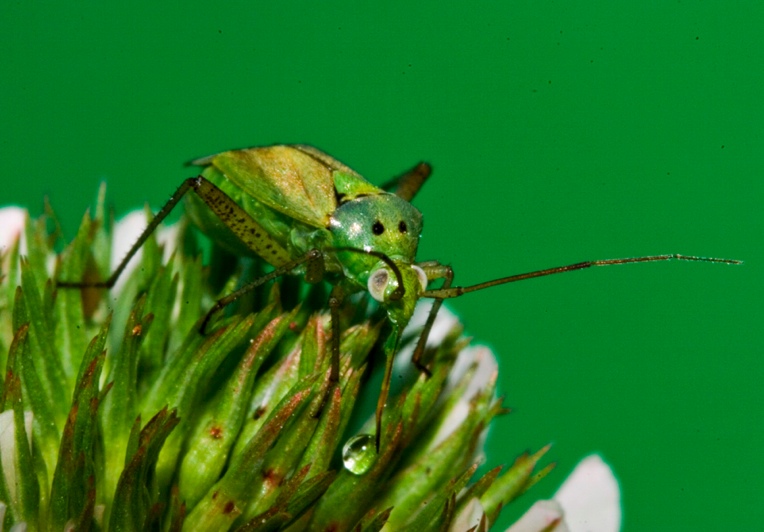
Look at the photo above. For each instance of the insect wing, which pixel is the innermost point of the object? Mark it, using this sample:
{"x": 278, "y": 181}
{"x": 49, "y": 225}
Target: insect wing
{"x": 283, "y": 178}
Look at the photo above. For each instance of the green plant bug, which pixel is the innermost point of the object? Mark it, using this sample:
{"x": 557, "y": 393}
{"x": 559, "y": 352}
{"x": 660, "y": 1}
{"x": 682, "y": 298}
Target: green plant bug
{"x": 306, "y": 213}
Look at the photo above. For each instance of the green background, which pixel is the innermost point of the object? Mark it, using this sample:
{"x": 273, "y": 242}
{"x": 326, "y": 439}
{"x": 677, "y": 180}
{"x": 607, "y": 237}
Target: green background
{"x": 558, "y": 133}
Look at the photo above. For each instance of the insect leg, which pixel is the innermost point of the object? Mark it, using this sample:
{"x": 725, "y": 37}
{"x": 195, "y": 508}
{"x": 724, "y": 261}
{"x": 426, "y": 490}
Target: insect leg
{"x": 390, "y": 347}
{"x": 161, "y": 215}
{"x": 456, "y": 291}
{"x": 232, "y": 215}
{"x": 335, "y": 300}
{"x": 312, "y": 256}
{"x": 407, "y": 185}
{"x": 434, "y": 270}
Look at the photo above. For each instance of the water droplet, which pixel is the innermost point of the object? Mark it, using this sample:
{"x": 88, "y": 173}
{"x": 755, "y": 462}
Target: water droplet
{"x": 359, "y": 453}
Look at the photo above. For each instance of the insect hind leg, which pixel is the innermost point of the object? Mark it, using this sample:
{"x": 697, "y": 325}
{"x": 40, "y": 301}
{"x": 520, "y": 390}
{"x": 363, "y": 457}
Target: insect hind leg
{"x": 407, "y": 185}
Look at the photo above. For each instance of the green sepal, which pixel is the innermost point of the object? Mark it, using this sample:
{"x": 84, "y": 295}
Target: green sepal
{"x": 136, "y": 493}
{"x": 226, "y": 500}
{"x": 73, "y": 488}
{"x": 189, "y": 301}
{"x": 120, "y": 407}
{"x": 38, "y": 248}
{"x": 46, "y": 427}
{"x": 313, "y": 341}
{"x": 373, "y": 521}
{"x": 20, "y": 314}
{"x": 309, "y": 491}
{"x": 25, "y": 505}
{"x": 348, "y": 498}
{"x": 513, "y": 483}
{"x": 359, "y": 340}
{"x": 323, "y": 441}
{"x": 436, "y": 512}
{"x": 219, "y": 424}
{"x": 177, "y": 511}
{"x": 47, "y": 361}
{"x": 271, "y": 387}
{"x": 286, "y": 452}
{"x": 429, "y": 468}
{"x": 160, "y": 302}
{"x": 298, "y": 494}
{"x": 478, "y": 489}
{"x": 181, "y": 387}
{"x": 69, "y": 311}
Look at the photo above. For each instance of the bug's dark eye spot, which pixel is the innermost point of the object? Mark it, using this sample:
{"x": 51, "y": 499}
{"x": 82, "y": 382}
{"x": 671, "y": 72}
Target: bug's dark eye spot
{"x": 377, "y": 228}
{"x": 402, "y": 227}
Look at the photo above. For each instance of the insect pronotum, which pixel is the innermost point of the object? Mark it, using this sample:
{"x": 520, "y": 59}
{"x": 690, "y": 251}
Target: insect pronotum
{"x": 304, "y": 212}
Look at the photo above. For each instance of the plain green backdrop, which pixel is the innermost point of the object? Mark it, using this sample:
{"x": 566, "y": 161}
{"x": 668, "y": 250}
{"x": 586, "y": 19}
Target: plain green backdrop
{"x": 558, "y": 132}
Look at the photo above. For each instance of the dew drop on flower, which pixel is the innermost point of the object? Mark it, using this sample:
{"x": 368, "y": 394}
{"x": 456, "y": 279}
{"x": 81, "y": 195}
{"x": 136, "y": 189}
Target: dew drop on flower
{"x": 359, "y": 453}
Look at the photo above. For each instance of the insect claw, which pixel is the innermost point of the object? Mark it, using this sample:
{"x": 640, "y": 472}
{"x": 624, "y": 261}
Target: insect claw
{"x": 423, "y": 369}
{"x": 206, "y": 321}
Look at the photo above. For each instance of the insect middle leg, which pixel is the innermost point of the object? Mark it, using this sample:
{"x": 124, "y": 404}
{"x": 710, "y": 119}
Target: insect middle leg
{"x": 434, "y": 270}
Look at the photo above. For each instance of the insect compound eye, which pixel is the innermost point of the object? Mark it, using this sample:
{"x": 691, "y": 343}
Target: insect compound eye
{"x": 402, "y": 227}
{"x": 377, "y": 228}
{"x": 377, "y": 284}
{"x": 422, "y": 276}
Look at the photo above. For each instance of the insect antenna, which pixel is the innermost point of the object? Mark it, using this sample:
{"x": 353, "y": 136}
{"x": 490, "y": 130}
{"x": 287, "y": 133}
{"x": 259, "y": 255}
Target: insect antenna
{"x": 456, "y": 291}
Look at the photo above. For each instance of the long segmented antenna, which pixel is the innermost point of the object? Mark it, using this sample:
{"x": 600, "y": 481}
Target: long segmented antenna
{"x": 456, "y": 291}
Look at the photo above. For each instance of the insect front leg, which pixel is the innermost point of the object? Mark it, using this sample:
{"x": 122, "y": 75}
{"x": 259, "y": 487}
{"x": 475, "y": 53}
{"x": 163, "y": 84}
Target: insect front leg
{"x": 390, "y": 348}
{"x": 434, "y": 270}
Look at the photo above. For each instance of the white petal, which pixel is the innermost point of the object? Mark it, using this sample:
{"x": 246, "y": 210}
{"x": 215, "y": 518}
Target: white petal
{"x": 590, "y": 497}
{"x": 126, "y": 232}
{"x": 487, "y": 368}
{"x": 12, "y": 220}
{"x": 444, "y": 322}
{"x": 543, "y": 516}
{"x": 469, "y": 516}
{"x": 8, "y": 447}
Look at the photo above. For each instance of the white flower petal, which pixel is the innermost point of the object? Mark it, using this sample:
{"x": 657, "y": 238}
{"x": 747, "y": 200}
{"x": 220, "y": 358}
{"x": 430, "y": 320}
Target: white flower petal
{"x": 12, "y": 221}
{"x": 487, "y": 366}
{"x": 469, "y": 517}
{"x": 126, "y": 232}
{"x": 8, "y": 447}
{"x": 487, "y": 370}
{"x": 543, "y": 516}
{"x": 444, "y": 322}
{"x": 590, "y": 497}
